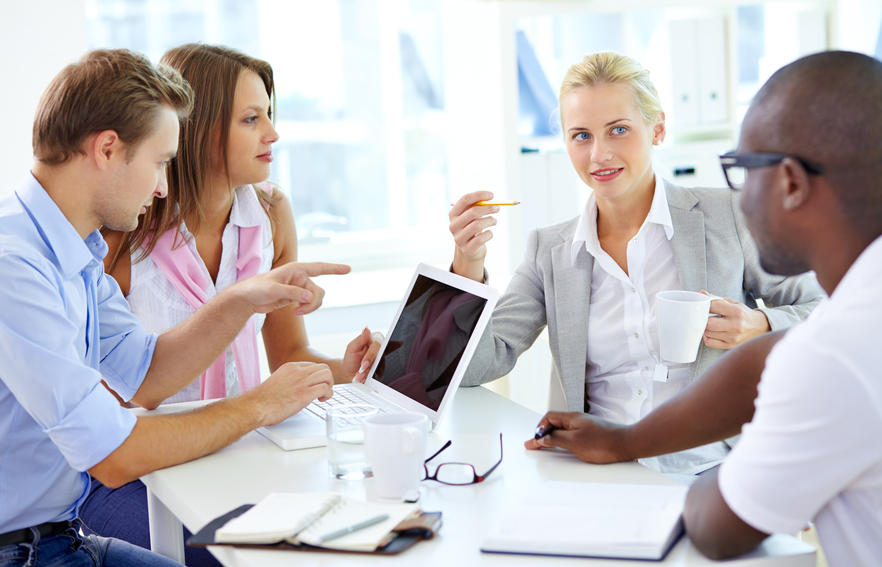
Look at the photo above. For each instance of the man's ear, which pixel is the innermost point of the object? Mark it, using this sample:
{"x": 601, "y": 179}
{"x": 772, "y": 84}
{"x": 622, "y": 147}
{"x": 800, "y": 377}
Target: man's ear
{"x": 794, "y": 184}
{"x": 105, "y": 147}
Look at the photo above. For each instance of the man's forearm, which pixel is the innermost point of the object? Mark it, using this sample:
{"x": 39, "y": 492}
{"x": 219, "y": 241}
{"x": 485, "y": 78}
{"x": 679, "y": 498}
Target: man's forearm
{"x": 712, "y": 408}
{"x": 186, "y": 351}
{"x": 161, "y": 441}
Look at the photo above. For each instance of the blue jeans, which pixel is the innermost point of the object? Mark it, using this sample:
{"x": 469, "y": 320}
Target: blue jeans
{"x": 70, "y": 549}
{"x": 121, "y": 513}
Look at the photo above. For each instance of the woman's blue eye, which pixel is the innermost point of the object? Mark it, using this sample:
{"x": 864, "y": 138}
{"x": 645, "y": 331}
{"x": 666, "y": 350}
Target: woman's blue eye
{"x": 581, "y": 136}
{"x": 619, "y": 130}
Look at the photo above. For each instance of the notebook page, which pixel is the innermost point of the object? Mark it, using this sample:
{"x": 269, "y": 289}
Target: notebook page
{"x": 277, "y": 517}
{"x": 350, "y": 512}
{"x": 592, "y": 518}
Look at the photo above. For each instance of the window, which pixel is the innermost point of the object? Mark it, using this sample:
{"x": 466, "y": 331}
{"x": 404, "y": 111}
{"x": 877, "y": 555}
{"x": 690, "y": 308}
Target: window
{"x": 771, "y": 35}
{"x": 360, "y": 110}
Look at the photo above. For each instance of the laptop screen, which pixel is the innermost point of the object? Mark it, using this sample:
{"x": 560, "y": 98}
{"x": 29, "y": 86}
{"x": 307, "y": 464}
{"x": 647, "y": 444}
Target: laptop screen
{"x": 428, "y": 340}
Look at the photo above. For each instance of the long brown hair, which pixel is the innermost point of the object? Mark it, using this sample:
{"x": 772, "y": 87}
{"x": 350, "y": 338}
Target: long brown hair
{"x": 213, "y": 72}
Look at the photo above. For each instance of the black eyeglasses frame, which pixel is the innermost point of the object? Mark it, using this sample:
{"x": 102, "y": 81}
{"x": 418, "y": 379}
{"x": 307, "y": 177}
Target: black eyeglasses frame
{"x": 476, "y": 477}
{"x": 754, "y": 160}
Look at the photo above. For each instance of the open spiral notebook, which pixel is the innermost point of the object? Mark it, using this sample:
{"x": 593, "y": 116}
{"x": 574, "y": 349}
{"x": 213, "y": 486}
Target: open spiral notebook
{"x": 304, "y": 517}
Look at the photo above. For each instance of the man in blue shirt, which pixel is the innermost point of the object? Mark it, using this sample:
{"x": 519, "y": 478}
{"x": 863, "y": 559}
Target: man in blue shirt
{"x": 104, "y": 131}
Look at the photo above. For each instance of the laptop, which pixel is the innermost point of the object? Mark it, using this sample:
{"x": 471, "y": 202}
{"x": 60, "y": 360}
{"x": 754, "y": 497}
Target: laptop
{"x": 421, "y": 361}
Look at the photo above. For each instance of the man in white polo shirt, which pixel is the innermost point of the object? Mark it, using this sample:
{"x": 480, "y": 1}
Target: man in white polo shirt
{"x": 809, "y": 168}
{"x": 812, "y": 450}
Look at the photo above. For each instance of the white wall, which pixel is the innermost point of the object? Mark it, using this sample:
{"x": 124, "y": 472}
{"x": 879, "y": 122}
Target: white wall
{"x": 37, "y": 39}
{"x": 481, "y": 85}
{"x": 858, "y": 23}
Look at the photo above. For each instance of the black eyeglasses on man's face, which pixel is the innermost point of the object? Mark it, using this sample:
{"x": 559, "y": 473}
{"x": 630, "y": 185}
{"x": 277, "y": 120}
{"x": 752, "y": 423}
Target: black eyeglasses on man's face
{"x": 735, "y": 165}
{"x": 458, "y": 474}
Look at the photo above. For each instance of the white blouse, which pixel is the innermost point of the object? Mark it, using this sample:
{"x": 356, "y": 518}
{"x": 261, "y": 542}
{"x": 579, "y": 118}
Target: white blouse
{"x": 625, "y": 379}
{"x": 155, "y": 301}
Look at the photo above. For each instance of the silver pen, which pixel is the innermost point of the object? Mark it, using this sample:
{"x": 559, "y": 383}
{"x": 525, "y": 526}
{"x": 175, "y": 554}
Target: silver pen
{"x": 352, "y": 528}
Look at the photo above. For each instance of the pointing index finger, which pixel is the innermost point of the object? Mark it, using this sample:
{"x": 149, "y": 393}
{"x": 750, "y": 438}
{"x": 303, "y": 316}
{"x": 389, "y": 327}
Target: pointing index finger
{"x": 325, "y": 268}
{"x": 313, "y": 269}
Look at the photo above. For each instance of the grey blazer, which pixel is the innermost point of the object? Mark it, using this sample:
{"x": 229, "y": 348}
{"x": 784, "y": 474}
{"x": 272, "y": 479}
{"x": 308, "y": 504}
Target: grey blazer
{"x": 712, "y": 250}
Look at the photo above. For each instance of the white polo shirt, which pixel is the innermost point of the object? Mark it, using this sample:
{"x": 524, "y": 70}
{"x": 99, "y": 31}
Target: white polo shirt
{"x": 814, "y": 448}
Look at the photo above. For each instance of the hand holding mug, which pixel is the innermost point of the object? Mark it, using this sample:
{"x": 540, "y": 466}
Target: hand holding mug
{"x": 681, "y": 318}
{"x": 736, "y": 323}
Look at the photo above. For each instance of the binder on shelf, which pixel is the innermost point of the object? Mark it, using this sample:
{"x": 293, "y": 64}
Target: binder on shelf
{"x": 684, "y": 73}
{"x": 713, "y": 101}
{"x": 699, "y": 71}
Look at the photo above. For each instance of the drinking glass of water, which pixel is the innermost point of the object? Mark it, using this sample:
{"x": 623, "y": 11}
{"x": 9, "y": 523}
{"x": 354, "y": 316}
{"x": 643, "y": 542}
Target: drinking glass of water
{"x": 347, "y": 459}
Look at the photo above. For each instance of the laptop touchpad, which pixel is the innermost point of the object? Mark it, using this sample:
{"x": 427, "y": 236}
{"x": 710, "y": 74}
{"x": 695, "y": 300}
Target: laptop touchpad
{"x": 301, "y": 422}
{"x": 302, "y": 430}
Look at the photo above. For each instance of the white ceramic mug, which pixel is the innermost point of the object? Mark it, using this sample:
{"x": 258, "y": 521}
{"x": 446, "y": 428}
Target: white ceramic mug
{"x": 396, "y": 447}
{"x": 681, "y": 318}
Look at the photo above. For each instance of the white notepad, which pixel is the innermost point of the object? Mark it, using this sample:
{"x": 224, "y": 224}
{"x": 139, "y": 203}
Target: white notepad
{"x": 628, "y": 521}
{"x": 306, "y": 516}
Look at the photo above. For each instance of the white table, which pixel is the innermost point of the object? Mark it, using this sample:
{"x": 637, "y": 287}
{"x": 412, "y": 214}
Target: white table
{"x": 197, "y": 492}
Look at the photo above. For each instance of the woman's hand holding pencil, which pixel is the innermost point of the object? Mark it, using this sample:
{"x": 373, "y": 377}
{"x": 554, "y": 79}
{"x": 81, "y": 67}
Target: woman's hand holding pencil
{"x": 470, "y": 221}
{"x": 493, "y": 203}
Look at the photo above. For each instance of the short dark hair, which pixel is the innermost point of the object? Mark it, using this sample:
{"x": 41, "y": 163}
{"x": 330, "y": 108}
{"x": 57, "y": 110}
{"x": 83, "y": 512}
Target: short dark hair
{"x": 827, "y": 108}
{"x": 107, "y": 89}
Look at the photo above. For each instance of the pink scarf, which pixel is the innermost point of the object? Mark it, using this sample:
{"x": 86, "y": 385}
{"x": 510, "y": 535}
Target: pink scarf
{"x": 181, "y": 266}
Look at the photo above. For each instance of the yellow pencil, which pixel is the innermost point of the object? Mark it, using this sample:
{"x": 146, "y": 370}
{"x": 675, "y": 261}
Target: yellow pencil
{"x": 494, "y": 203}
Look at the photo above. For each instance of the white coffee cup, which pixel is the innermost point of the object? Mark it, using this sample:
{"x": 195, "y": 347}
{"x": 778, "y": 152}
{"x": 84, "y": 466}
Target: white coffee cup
{"x": 681, "y": 318}
{"x": 396, "y": 447}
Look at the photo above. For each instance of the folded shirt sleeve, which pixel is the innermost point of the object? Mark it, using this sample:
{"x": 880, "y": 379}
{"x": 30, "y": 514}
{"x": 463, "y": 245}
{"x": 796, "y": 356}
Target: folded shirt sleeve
{"x": 126, "y": 346}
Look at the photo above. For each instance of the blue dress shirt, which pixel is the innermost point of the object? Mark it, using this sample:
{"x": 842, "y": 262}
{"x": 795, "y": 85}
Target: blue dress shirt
{"x": 63, "y": 324}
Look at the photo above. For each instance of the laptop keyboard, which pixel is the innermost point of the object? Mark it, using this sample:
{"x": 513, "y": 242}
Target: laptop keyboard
{"x": 344, "y": 397}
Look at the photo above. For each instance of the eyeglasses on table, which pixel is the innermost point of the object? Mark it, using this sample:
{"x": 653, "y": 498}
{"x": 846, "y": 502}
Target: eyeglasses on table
{"x": 735, "y": 165}
{"x": 457, "y": 474}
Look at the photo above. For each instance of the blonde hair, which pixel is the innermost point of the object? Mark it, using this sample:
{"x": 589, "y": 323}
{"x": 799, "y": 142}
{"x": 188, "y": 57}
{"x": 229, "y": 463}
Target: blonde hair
{"x": 107, "y": 89}
{"x": 611, "y": 68}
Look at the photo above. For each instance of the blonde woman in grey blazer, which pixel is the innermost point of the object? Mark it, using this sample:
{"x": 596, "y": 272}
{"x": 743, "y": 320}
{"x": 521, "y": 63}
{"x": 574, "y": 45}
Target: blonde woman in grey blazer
{"x": 611, "y": 118}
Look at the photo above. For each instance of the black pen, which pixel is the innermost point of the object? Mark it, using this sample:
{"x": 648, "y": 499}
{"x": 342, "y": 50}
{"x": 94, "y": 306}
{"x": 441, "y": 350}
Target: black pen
{"x": 544, "y": 430}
